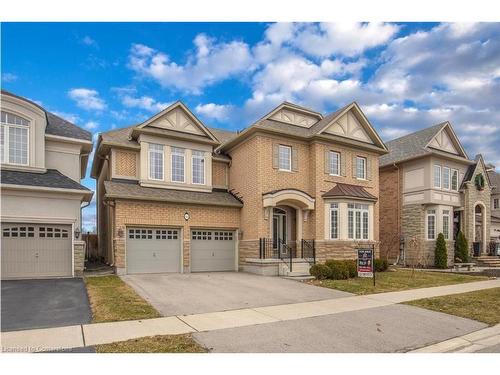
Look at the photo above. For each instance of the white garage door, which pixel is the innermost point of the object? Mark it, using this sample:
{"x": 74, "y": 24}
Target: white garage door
{"x": 213, "y": 250}
{"x": 153, "y": 250}
{"x": 36, "y": 250}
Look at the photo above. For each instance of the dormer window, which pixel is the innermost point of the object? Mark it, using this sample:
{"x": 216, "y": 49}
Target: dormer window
{"x": 14, "y": 136}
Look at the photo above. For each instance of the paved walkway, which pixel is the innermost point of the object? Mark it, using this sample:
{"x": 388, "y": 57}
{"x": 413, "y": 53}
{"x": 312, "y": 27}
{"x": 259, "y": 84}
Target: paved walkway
{"x": 485, "y": 341}
{"x": 101, "y": 333}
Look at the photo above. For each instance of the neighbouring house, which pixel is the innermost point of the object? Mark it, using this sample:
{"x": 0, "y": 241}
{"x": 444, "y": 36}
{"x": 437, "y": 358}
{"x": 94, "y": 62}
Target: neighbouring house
{"x": 43, "y": 159}
{"x": 430, "y": 186}
{"x": 174, "y": 195}
{"x": 495, "y": 203}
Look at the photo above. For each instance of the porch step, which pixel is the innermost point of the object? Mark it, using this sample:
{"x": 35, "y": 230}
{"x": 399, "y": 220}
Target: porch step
{"x": 300, "y": 268}
{"x": 487, "y": 261}
{"x": 299, "y": 278}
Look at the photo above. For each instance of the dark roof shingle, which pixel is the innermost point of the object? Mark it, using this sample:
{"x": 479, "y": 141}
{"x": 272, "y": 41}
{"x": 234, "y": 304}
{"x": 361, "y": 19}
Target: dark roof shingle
{"x": 51, "y": 179}
{"x": 349, "y": 191}
{"x": 119, "y": 189}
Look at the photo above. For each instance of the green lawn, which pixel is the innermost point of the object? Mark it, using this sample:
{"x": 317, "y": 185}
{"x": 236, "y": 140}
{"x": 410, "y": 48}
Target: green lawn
{"x": 154, "y": 344}
{"x": 400, "y": 279}
{"x": 481, "y": 305}
{"x": 112, "y": 300}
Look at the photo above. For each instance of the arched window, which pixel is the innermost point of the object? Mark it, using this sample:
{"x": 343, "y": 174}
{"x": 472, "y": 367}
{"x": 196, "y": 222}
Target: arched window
{"x": 14, "y": 136}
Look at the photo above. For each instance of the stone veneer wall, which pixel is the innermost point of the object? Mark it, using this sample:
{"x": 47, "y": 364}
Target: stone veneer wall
{"x": 341, "y": 250}
{"x": 79, "y": 257}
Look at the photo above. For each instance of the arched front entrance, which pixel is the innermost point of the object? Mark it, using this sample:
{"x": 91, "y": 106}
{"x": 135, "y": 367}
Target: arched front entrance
{"x": 479, "y": 225}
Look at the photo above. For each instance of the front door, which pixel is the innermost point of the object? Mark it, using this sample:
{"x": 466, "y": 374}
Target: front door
{"x": 279, "y": 227}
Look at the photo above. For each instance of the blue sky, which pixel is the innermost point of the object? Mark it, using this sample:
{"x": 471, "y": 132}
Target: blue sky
{"x": 405, "y": 76}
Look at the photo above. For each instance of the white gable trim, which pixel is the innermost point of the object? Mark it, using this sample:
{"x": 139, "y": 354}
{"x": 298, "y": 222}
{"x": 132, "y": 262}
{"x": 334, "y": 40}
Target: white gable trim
{"x": 363, "y": 121}
{"x": 453, "y": 138}
{"x": 295, "y": 109}
{"x": 180, "y": 106}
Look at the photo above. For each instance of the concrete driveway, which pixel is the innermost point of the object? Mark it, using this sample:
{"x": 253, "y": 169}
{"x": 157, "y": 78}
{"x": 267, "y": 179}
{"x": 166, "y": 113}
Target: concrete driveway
{"x": 28, "y": 304}
{"x": 193, "y": 293}
{"x": 395, "y": 328}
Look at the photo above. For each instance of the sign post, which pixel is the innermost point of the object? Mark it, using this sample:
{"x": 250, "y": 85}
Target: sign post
{"x": 366, "y": 263}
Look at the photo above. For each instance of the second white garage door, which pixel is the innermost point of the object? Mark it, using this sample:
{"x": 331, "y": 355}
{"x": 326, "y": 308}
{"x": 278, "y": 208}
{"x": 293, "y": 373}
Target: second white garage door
{"x": 213, "y": 250}
{"x": 153, "y": 250}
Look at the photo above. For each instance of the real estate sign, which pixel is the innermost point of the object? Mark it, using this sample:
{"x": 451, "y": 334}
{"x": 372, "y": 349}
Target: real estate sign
{"x": 365, "y": 262}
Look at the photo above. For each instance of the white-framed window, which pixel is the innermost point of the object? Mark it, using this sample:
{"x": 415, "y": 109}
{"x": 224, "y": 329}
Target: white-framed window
{"x": 361, "y": 167}
{"x": 334, "y": 221}
{"x": 357, "y": 221}
{"x": 198, "y": 167}
{"x": 334, "y": 160}
{"x": 446, "y": 224}
{"x": 496, "y": 203}
{"x": 446, "y": 178}
{"x": 431, "y": 224}
{"x": 14, "y": 139}
{"x": 437, "y": 176}
{"x": 284, "y": 158}
{"x": 454, "y": 179}
{"x": 177, "y": 164}
{"x": 155, "y": 161}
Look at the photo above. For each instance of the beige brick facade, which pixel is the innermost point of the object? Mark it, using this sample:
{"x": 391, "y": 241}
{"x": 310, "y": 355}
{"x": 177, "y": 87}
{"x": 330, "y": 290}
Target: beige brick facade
{"x": 219, "y": 174}
{"x": 125, "y": 163}
{"x": 390, "y": 212}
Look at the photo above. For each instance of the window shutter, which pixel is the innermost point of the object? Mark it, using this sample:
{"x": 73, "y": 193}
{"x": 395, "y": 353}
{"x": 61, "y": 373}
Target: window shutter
{"x": 342, "y": 164}
{"x": 295, "y": 159}
{"x": 327, "y": 162}
{"x": 368, "y": 168}
{"x": 354, "y": 167}
{"x": 276, "y": 156}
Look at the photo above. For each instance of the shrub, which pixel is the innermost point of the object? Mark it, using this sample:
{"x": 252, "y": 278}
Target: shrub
{"x": 381, "y": 265}
{"x": 339, "y": 270}
{"x": 461, "y": 248}
{"x": 320, "y": 271}
{"x": 440, "y": 256}
{"x": 352, "y": 267}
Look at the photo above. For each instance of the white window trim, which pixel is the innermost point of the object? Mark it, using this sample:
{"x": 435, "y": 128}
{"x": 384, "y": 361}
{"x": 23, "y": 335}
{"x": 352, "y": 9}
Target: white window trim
{"x": 449, "y": 178}
{"x": 427, "y": 214}
{"x": 337, "y": 209}
{"x": 193, "y": 157}
{"x": 447, "y": 233}
{"x": 364, "y": 167}
{"x": 162, "y": 166}
{"x": 338, "y": 162}
{"x": 434, "y": 177}
{"x": 289, "y": 158}
{"x": 7, "y": 127}
{"x": 354, "y": 227}
{"x": 172, "y": 154}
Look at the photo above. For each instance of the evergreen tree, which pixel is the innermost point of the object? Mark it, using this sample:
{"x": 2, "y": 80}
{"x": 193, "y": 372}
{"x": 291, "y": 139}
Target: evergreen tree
{"x": 441, "y": 258}
{"x": 461, "y": 248}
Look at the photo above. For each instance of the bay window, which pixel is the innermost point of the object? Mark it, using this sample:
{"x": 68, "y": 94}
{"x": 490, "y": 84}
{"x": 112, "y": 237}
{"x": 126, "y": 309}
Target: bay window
{"x": 155, "y": 161}
{"x": 454, "y": 179}
{"x": 198, "y": 167}
{"x": 14, "y": 136}
{"x": 357, "y": 221}
{"x": 437, "y": 176}
{"x": 177, "y": 164}
{"x": 431, "y": 224}
{"x": 446, "y": 178}
{"x": 446, "y": 224}
{"x": 334, "y": 221}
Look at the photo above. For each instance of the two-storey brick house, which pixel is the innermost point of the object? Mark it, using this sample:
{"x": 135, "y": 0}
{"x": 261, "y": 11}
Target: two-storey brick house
{"x": 176, "y": 196}
{"x": 430, "y": 186}
{"x": 43, "y": 159}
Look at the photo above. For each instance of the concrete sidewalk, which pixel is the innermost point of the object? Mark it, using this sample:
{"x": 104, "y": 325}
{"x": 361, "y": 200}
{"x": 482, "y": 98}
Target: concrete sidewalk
{"x": 485, "y": 340}
{"x": 101, "y": 333}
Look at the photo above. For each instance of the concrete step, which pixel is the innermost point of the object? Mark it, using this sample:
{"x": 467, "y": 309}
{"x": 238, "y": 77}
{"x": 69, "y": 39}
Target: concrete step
{"x": 297, "y": 274}
{"x": 299, "y": 278}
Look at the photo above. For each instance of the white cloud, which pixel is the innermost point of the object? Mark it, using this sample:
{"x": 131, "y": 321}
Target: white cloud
{"x": 87, "y": 99}
{"x": 144, "y": 102}
{"x": 348, "y": 39}
{"x": 219, "y": 112}
{"x": 9, "y": 77}
{"x": 91, "y": 125}
{"x": 211, "y": 62}
{"x": 88, "y": 41}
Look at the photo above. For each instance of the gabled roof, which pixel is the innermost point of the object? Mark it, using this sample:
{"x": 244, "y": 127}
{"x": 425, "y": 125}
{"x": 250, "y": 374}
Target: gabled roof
{"x": 414, "y": 145}
{"x": 55, "y": 124}
{"x": 52, "y": 178}
{"x": 471, "y": 171}
{"x": 316, "y": 130}
{"x": 349, "y": 191}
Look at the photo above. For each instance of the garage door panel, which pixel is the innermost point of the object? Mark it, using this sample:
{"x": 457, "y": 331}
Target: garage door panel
{"x": 213, "y": 250}
{"x": 36, "y": 250}
{"x": 153, "y": 250}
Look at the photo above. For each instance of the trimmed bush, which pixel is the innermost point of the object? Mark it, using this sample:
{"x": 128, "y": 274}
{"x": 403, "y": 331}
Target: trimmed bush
{"x": 338, "y": 268}
{"x": 440, "y": 256}
{"x": 461, "y": 248}
{"x": 352, "y": 267}
{"x": 381, "y": 265}
{"x": 320, "y": 271}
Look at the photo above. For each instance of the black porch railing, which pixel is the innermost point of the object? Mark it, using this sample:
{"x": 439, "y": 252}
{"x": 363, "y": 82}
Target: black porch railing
{"x": 308, "y": 251}
{"x": 276, "y": 249}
